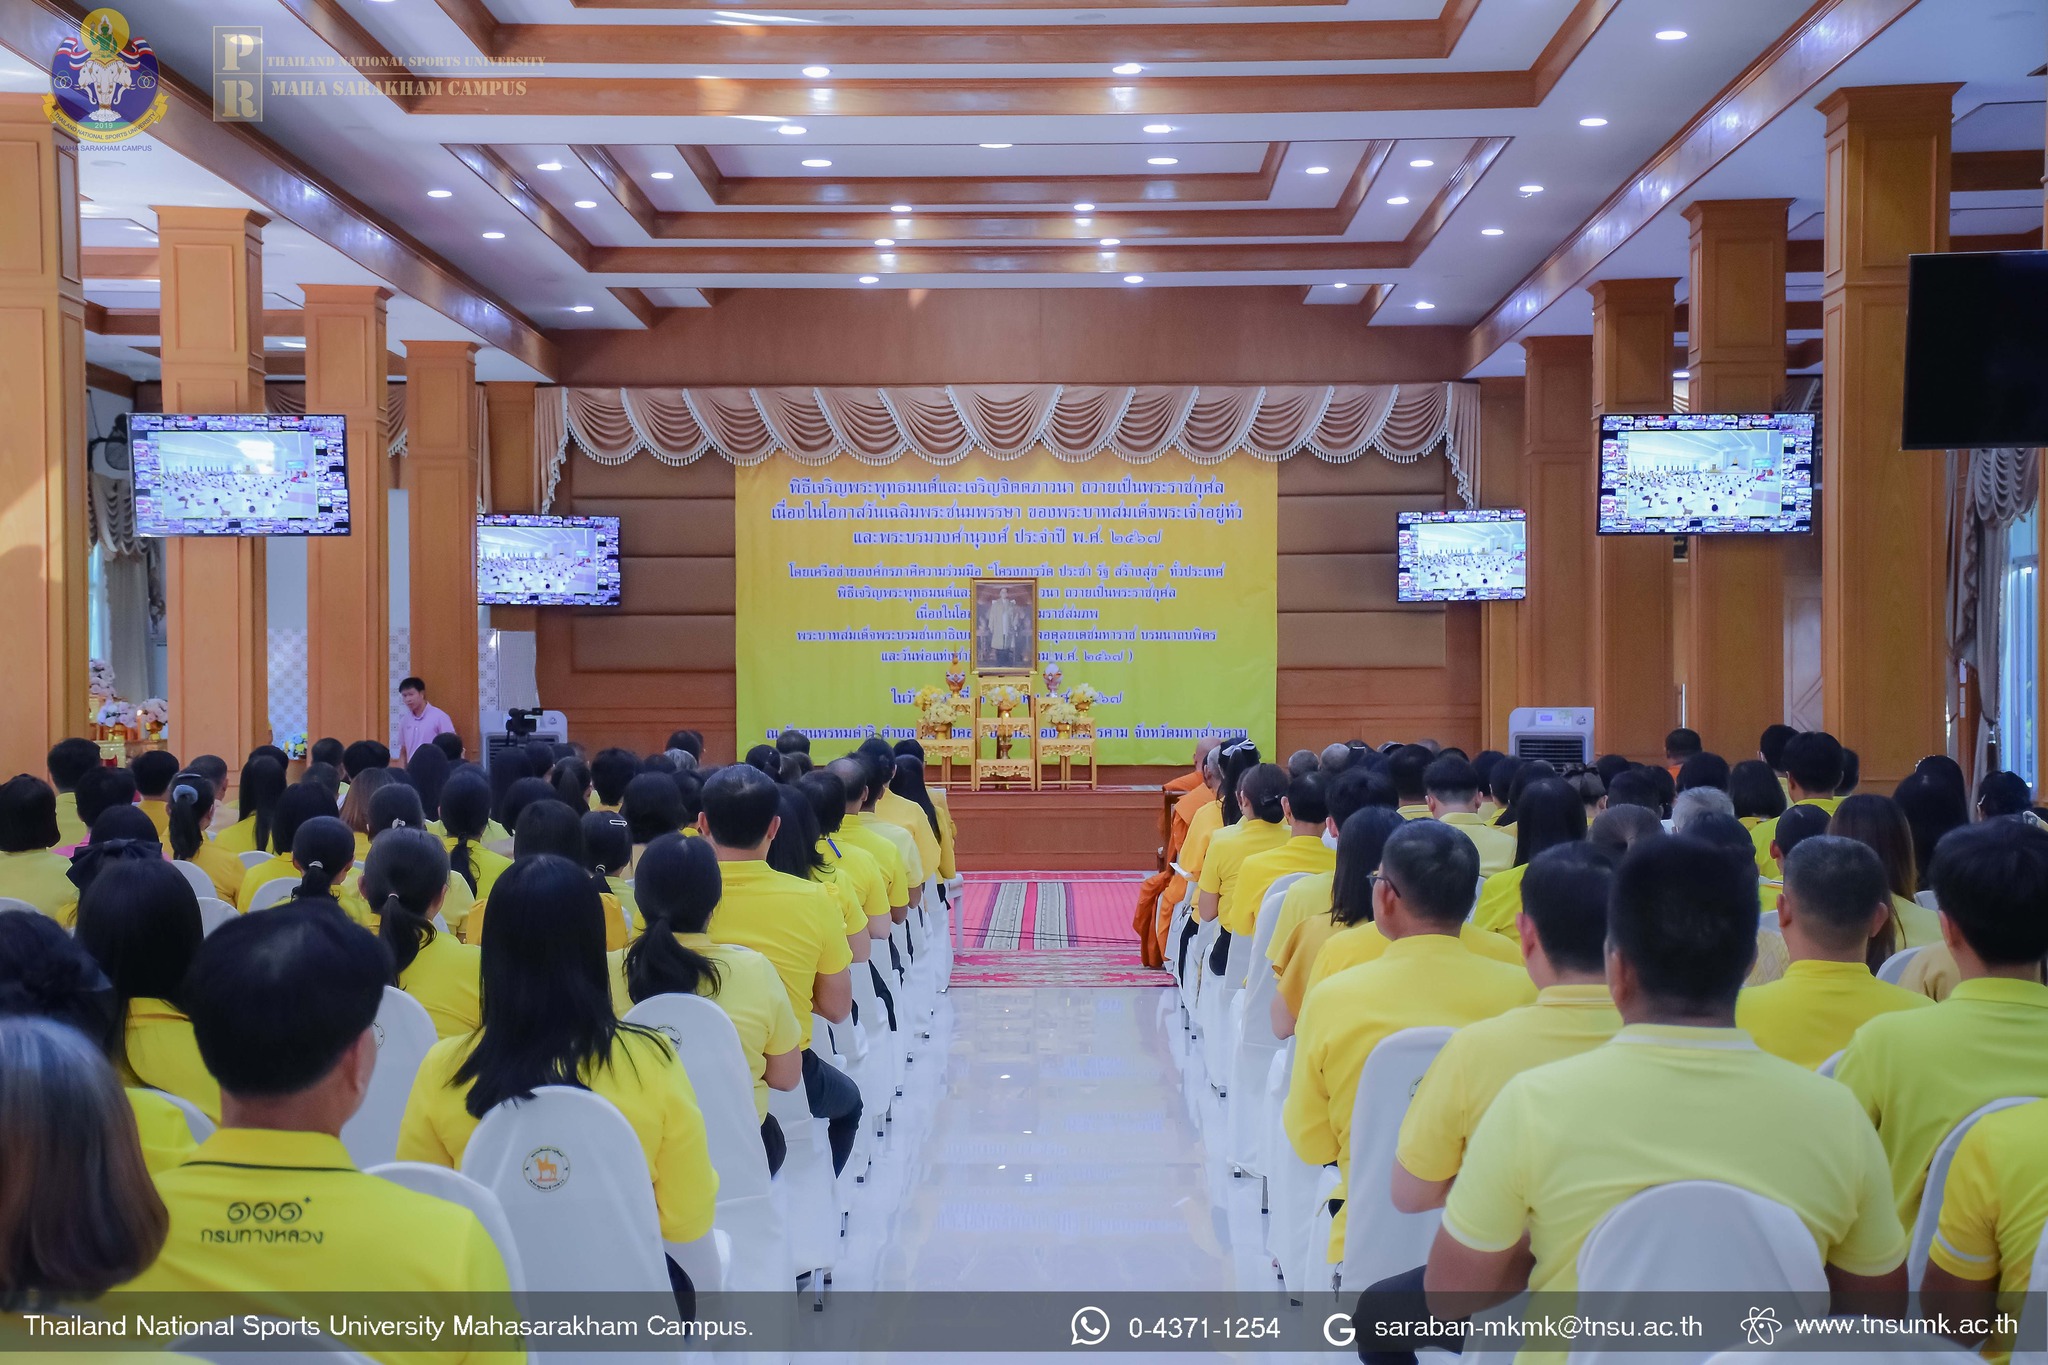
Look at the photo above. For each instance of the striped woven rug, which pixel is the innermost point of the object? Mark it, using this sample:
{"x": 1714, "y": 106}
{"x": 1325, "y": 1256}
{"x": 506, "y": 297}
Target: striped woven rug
{"x": 1050, "y": 929}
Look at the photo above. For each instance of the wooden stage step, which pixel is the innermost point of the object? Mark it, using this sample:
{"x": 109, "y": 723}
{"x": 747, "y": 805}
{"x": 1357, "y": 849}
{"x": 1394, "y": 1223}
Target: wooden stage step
{"x": 1110, "y": 829}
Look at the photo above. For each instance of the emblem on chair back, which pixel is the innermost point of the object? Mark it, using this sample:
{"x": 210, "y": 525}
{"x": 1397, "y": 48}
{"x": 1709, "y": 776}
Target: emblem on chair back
{"x": 547, "y": 1169}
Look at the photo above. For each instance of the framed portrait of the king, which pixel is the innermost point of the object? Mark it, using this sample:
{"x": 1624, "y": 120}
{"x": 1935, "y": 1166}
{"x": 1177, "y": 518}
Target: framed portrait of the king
{"x": 1005, "y": 618}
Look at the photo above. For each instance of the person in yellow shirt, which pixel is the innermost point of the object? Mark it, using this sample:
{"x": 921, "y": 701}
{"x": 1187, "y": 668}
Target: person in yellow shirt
{"x": 1162, "y": 893}
{"x": 1364, "y": 838}
{"x": 1428, "y": 874}
{"x": 1407, "y": 767}
{"x": 1813, "y": 769}
{"x": 879, "y": 772}
{"x": 791, "y": 922}
{"x": 1833, "y": 907}
{"x": 1306, "y": 814}
{"x": 29, "y": 871}
{"x": 610, "y": 771}
{"x": 68, "y": 762}
{"x": 1754, "y": 790}
{"x": 1308, "y": 901}
{"x": 1451, "y": 787}
{"x": 191, "y": 801}
{"x": 1992, "y": 1214}
{"x": 1550, "y": 815}
{"x": 548, "y": 826}
{"x": 680, "y": 886}
{"x": 301, "y": 802}
{"x": 1879, "y": 822}
{"x": 908, "y": 805}
{"x": 864, "y": 886}
{"x": 608, "y": 847}
{"x": 323, "y": 861}
{"x": 548, "y": 1020}
{"x": 1919, "y": 1072}
{"x": 405, "y": 883}
{"x": 153, "y": 770}
{"x": 140, "y": 921}
{"x": 857, "y": 828}
{"x": 299, "y": 973}
{"x": 465, "y": 827}
{"x": 258, "y": 791}
{"x": 1261, "y": 801}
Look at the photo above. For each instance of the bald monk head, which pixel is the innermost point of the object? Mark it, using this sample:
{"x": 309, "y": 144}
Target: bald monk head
{"x": 1336, "y": 758}
{"x": 1204, "y": 746}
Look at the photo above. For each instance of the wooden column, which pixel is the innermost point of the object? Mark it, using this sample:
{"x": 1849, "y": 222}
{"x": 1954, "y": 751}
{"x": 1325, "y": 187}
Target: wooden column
{"x": 442, "y": 465}
{"x": 1501, "y": 410}
{"x": 218, "y": 668}
{"x": 1735, "y": 353}
{"x": 1883, "y": 510}
{"x": 518, "y": 482}
{"x": 1554, "y": 635}
{"x": 42, "y": 438}
{"x": 1633, "y": 691}
{"x": 348, "y": 599}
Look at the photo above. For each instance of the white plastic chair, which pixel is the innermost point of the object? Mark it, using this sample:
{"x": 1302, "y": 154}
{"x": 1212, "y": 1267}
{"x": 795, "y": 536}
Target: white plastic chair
{"x": 879, "y": 1071}
{"x": 195, "y": 876}
{"x": 253, "y": 858}
{"x": 1252, "y": 1043}
{"x": 2031, "y": 1314}
{"x": 209, "y": 1345}
{"x": 809, "y": 1195}
{"x": 8, "y": 903}
{"x": 1380, "y": 1240}
{"x": 1899, "y": 1350}
{"x": 214, "y": 912}
{"x": 709, "y": 1047}
{"x": 1291, "y": 1184}
{"x": 272, "y": 893}
{"x": 195, "y": 1117}
{"x": 1768, "y": 920}
{"x": 1926, "y": 900}
{"x": 1894, "y": 967}
{"x": 1929, "y": 1217}
{"x": 457, "y": 1188}
{"x": 1213, "y": 1006}
{"x": 404, "y": 1032}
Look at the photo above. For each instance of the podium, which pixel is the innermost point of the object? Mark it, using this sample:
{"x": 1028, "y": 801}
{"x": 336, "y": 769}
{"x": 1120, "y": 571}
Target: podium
{"x": 1005, "y": 765}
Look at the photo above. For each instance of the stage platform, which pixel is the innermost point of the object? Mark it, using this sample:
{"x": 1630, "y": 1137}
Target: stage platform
{"x": 1110, "y": 829}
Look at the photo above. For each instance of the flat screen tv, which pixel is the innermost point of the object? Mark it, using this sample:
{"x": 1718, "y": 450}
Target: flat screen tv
{"x": 239, "y": 474}
{"x": 1706, "y": 473}
{"x": 1478, "y": 555}
{"x": 535, "y": 561}
{"x": 1976, "y": 350}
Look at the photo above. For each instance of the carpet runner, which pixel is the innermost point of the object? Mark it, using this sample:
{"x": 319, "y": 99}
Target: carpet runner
{"x": 1050, "y": 929}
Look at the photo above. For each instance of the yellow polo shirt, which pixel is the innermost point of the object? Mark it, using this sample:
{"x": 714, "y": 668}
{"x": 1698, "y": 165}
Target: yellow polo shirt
{"x": 949, "y": 834}
{"x": 908, "y": 816}
{"x": 238, "y": 838}
{"x": 159, "y": 812}
{"x": 39, "y": 878}
{"x": 1419, "y": 811}
{"x": 617, "y": 934}
{"x": 1482, "y": 1057}
{"x": 222, "y": 868}
{"x": 1496, "y": 846}
{"x": 752, "y": 997}
{"x": 1996, "y": 1202}
{"x": 1810, "y": 1013}
{"x": 1306, "y": 899}
{"x": 1227, "y": 852}
{"x": 858, "y": 831}
{"x": 1298, "y": 959}
{"x": 862, "y": 884}
{"x": 1500, "y": 900}
{"x": 1358, "y": 943}
{"x": 447, "y": 978}
{"x": 793, "y": 923}
{"x": 1304, "y": 853}
{"x": 280, "y": 866}
{"x": 1564, "y": 1143}
{"x": 1419, "y": 981}
{"x": 643, "y": 1078}
{"x": 70, "y": 829}
{"x": 277, "y": 1214}
{"x": 1203, "y": 826}
{"x": 160, "y": 1053}
{"x": 1921, "y": 927}
{"x": 1766, "y": 831}
{"x": 899, "y": 838}
{"x": 484, "y": 865}
{"x": 166, "y": 1135}
{"x": 1918, "y": 1073}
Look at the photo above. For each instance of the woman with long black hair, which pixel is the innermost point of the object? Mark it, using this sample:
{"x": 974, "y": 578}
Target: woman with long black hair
{"x": 548, "y": 1020}
{"x": 1260, "y": 827}
{"x": 1545, "y": 818}
{"x": 678, "y": 889}
{"x": 547, "y": 827}
{"x": 405, "y": 882}
{"x": 301, "y": 802}
{"x": 428, "y": 768}
{"x": 1359, "y": 843}
{"x": 262, "y": 784}
{"x": 465, "y": 824}
{"x": 189, "y": 806}
{"x": 140, "y": 921}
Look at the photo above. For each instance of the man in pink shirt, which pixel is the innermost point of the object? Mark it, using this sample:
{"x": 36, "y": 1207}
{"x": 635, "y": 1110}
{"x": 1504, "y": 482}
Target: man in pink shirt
{"x": 423, "y": 720}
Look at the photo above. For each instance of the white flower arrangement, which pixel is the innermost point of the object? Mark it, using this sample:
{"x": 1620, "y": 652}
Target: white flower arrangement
{"x": 1006, "y": 696}
{"x": 154, "y": 711}
{"x": 1083, "y": 696}
{"x": 116, "y": 714}
{"x": 100, "y": 684}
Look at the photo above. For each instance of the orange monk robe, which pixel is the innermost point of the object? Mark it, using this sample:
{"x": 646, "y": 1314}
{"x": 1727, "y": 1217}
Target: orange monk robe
{"x": 1186, "y": 782}
{"x": 1162, "y": 890}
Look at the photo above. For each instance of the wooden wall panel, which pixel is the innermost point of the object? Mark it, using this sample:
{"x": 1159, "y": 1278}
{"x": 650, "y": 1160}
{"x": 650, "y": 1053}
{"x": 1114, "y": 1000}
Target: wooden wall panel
{"x": 650, "y": 527}
{"x": 1360, "y": 523}
{"x": 652, "y": 644}
{"x": 1502, "y": 416}
{"x": 1350, "y": 582}
{"x": 676, "y": 586}
{"x": 1554, "y": 632}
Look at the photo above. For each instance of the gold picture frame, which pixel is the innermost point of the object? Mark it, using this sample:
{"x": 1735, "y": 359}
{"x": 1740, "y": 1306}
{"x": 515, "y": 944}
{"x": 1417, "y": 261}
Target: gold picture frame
{"x": 996, "y": 649}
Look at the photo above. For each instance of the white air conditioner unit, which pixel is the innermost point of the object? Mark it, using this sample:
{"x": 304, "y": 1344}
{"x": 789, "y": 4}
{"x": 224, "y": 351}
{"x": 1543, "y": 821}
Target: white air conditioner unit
{"x": 553, "y": 728}
{"x": 1557, "y": 734}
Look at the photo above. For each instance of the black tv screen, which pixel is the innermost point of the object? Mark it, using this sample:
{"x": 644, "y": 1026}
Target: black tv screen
{"x": 1976, "y": 350}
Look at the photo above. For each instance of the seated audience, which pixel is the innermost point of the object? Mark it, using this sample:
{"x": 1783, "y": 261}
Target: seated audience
{"x": 1726, "y": 832}
{"x": 1359, "y": 846}
{"x": 68, "y": 763}
{"x": 465, "y": 828}
{"x": 1308, "y": 901}
{"x": 1918, "y": 1072}
{"x": 570, "y": 777}
{"x": 405, "y": 884}
{"x": 1695, "y": 802}
{"x": 906, "y": 804}
{"x": 1637, "y": 787}
{"x": 880, "y": 771}
{"x": 1551, "y": 814}
{"x": 1305, "y": 813}
{"x": 550, "y": 827}
{"x": 426, "y": 773}
{"x": 610, "y": 771}
{"x": 153, "y": 770}
{"x": 323, "y": 851}
{"x": 679, "y": 887}
{"x": 1754, "y": 789}
{"x": 191, "y": 800}
{"x": 355, "y": 807}
{"x": 1680, "y": 746}
{"x": 1703, "y": 770}
{"x": 1408, "y": 767}
{"x": 300, "y": 803}
{"x": 262, "y": 786}
{"x": 2003, "y": 793}
{"x": 1852, "y": 773}
{"x": 1932, "y": 808}
{"x": 1813, "y": 769}
{"x": 1878, "y": 823}
{"x": 1992, "y": 1213}
{"x": 856, "y": 778}
{"x": 140, "y": 921}
{"x": 451, "y": 745}
{"x": 102, "y": 790}
{"x": 1451, "y": 787}
{"x": 29, "y": 871}
{"x": 1261, "y": 801}
{"x": 608, "y": 845}
{"x": 653, "y": 807}
{"x": 1424, "y": 976}
{"x": 1833, "y": 908}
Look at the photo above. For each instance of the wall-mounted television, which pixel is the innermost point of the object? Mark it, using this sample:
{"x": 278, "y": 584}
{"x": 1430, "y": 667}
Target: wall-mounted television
{"x": 1706, "y": 473}
{"x": 537, "y": 561}
{"x": 1475, "y": 555}
{"x": 239, "y": 474}
{"x": 1976, "y": 350}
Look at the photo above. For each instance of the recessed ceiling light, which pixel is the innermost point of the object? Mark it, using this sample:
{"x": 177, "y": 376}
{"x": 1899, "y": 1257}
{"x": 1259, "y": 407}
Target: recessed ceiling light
{"x": 1162, "y": 161}
{"x": 816, "y": 162}
{"x": 1681, "y": 374}
{"x": 494, "y": 236}
{"x": 586, "y": 203}
{"x": 581, "y": 308}
{"x": 1134, "y": 279}
{"x": 1083, "y": 222}
{"x": 870, "y": 279}
{"x": 549, "y": 166}
{"x": 1424, "y": 304}
{"x": 1340, "y": 285}
{"x": 1671, "y": 35}
{"x": 1159, "y": 127}
{"x": 1110, "y": 241}
{"x": 1493, "y": 232}
{"x": 1529, "y": 189}
{"x": 1126, "y": 69}
{"x": 817, "y": 73}
{"x": 1084, "y": 208}
{"x": 663, "y": 175}
{"x": 885, "y": 241}
{"x": 1318, "y": 170}
{"x": 899, "y": 208}
{"x": 1421, "y": 163}
{"x": 902, "y": 222}
{"x": 792, "y": 130}
{"x": 997, "y": 146}
{"x": 1594, "y": 122}
{"x": 440, "y": 194}
{"x": 1398, "y": 200}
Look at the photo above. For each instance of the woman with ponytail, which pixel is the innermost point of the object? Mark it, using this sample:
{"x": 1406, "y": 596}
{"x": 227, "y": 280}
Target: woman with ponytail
{"x": 190, "y": 803}
{"x": 405, "y": 883}
{"x": 465, "y": 827}
{"x": 609, "y": 844}
{"x": 571, "y": 780}
{"x": 355, "y": 807}
{"x": 324, "y": 852}
{"x": 549, "y": 827}
{"x": 428, "y": 769}
{"x": 262, "y": 785}
{"x": 1260, "y": 827}
{"x": 301, "y": 802}
{"x": 678, "y": 888}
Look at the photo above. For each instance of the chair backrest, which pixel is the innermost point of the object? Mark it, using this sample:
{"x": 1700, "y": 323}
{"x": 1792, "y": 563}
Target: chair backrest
{"x": 1898, "y": 1350}
{"x": 1929, "y": 1217}
{"x": 1827, "y": 1068}
{"x": 1926, "y": 900}
{"x": 1735, "y": 1241}
{"x": 201, "y": 884}
{"x": 1380, "y": 1240}
{"x": 709, "y": 1045}
{"x": 8, "y": 903}
{"x": 272, "y": 893}
{"x": 457, "y": 1188}
{"x": 214, "y": 912}
{"x": 2036, "y": 1307}
{"x": 1768, "y": 920}
{"x": 195, "y": 1117}
{"x": 404, "y": 1032}
{"x": 253, "y": 857}
{"x": 1237, "y": 961}
{"x": 1259, "y": 980}
{"x": 1894, "y": 967}
{"x": 574, "y": 1184}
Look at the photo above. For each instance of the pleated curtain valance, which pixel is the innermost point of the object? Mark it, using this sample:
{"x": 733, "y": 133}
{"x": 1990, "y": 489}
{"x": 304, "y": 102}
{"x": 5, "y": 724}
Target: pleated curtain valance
{"x": 290, "y": 401}
{"x": 944, "y": 424}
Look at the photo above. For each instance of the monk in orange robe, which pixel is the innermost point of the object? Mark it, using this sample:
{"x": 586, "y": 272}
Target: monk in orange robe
{"x": 1192, "y": 779}
{"x": 1163, "y": 889}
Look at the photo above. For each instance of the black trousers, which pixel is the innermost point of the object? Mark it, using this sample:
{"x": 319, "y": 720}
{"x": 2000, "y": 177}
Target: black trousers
{"x": 773, "y": 1143}
{"x": 685, "y": 1292}
{"x": 1219, "y": 953}
{"x": 836, "y": 1099}
{"x": 1187, "y": 937}
{"x": 1398, "y": 1298}
{"x": 882, "y": 993}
